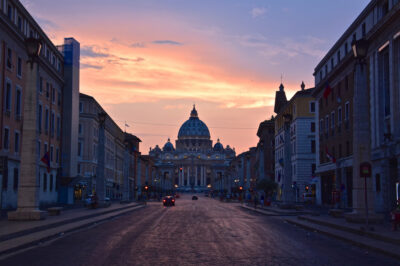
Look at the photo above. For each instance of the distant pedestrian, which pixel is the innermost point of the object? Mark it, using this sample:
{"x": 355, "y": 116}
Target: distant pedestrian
{"x": 262, "y": 200}
{"x": 255, "y": 201}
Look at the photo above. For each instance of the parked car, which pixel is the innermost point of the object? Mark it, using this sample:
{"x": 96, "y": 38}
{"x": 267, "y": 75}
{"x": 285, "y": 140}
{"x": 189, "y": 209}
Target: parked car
{"x": 90, "y": 201}
{"x": 169, "y": 201}
{"x": 195, "y": 198}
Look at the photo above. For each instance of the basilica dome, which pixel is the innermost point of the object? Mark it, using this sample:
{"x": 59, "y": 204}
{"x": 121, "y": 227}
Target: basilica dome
{"x": 194, "y": 127}
{"x": 168, "y": 146}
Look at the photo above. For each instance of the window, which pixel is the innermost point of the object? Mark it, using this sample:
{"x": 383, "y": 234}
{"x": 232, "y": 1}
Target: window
{"x": 16, "y": 179}
{"x": 338, "y": 56}
{"x": 312, "y": 107}
{"x": 46, "y": 121}
{"x": 79, "y": 168}
{"x": 332, "y": 63}
{"x": 9, "y": 58}
{"x": 10, "y": 12}
{"x": 51, "y": 183}
{"x": 52, "y": 124}
{"x": 51, "y": 153}
{"x": 58, "y": 98}
{"x": 339, "y": 118}
{"x": 384, "y": 79}
{"x": 81, "y": 107}
{"x": 340, "y": 150}
{"x": 346, "y": 48}
{"x": 346, "y": 111}
{"x": 8, "y": 98}
{"x": 312, "y": 126}
{"x": 19, "y": 67}
{"x": 80, "y": 128}
{"x": 44, "y": 181}
{"x": 19, "y": 23}
{"x": 18, "y": 102}
{"x": 313, "y": 146}
{"x": 332, "y": 120}
{"x": 47, "y": 90}
{"x": 53, "y": 95}
{"x": 326, "y": 70}
{"x": 16, "y": 142}
{"x": 45, "y": 148}
{"x": 6, "y": 139}
{"x": 313, "y": 168}
{"x": 40, "y": 118}
{"x": 79, "y": 148}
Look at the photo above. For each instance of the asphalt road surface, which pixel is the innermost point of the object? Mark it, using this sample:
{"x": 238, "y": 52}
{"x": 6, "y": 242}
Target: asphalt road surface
{"x": 202, "y": 232}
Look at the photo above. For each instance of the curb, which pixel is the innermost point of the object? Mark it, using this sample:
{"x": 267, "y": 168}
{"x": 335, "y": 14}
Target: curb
{"x": 352, "y": 230}
{"x": 378, "y": 248}
{"x": 268, "y": 213}
{"x": 60, "y": 223}
{"x": 53, "y": 235}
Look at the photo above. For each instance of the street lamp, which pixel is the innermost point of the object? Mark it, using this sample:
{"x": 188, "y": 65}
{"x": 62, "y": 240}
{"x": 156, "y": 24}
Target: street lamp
{"x": 33, "y": 47}
{"x": 102, "y": 118}
{"x": 360, "y": 48}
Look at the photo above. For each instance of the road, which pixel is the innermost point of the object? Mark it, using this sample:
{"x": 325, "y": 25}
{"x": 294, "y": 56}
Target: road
{"x": 203, "y": 232}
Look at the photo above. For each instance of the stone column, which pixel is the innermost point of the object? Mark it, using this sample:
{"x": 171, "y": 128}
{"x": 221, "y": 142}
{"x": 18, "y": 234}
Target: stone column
{"x": 288, "y": 193}
{"x": 28, "y": 188}
{"x": 195, "y": 177}
{"x": 125, "y": 195}
{"x": 101, "y": 162}
{"x": 361, "y": 140}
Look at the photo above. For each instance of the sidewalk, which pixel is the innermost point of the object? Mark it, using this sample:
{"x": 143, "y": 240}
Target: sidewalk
{"x": 382, "y": 239}
{"x": 16, "y": 235}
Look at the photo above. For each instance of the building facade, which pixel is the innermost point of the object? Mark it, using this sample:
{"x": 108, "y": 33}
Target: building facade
{"x": 87, "y": 152}
{"x": 357, "y": 109}
{"x": 295, "y": 145}
{"x": 195, "y": 164}
{"x": 16, "y": 25}
{"x": 265, "y": 155}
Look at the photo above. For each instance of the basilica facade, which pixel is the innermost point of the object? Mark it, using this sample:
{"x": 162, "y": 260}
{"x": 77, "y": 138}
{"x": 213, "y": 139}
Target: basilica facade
{"x": 193, "y": 164}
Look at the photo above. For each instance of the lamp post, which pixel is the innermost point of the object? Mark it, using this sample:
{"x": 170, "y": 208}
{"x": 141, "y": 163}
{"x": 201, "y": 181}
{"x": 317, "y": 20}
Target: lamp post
{"x": 125, "y": 192}
{"x": 100, "y": 178}
{"x": 28, "y": 188}
{"x": 288, "y": 192}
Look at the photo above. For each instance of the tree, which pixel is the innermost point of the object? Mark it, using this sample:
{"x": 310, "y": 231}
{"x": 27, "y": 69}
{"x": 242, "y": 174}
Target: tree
{"x": 267, "y": 185}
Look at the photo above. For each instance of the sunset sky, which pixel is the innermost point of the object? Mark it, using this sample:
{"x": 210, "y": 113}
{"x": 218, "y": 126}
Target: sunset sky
{"x": 148, "y": 61}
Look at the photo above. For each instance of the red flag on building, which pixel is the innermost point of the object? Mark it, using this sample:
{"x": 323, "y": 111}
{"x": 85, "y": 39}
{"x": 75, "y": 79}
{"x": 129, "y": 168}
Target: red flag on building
{"x": 327, "y": 91}
{"x": 46, "y": 160}
{"x": 330, "y": 156}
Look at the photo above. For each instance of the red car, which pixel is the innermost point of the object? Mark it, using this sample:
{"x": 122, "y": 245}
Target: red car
{"x": 169, "y": 201}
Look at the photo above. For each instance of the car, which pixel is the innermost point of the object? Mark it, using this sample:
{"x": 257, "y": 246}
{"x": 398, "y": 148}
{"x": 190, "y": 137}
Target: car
{"x": 90, "y": 201}
{"x": 168, "y": 201}
{"x": 195, "y": 198}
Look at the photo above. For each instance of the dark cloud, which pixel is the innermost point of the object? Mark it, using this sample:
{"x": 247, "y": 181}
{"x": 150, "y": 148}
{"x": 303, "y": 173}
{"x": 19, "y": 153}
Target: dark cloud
{"x": 138, "y": 45}
{"x": 167, "y": 42}
{"x": 83, "y": 66}
{"x": 87, "y": 51}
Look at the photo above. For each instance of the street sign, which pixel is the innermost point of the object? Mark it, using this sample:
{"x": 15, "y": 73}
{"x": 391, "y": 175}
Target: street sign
{"x": 365, "y": 169}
